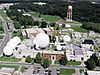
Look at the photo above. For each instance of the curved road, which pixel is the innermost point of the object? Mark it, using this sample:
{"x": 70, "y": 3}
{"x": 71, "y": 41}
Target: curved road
{"x": 6, "y": 35}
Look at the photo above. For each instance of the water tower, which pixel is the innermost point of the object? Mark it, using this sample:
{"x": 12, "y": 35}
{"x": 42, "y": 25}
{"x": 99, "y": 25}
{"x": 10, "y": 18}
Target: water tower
{"x": 69, "y": 13}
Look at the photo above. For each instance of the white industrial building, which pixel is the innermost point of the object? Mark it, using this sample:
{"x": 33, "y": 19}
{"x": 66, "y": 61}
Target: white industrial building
{"x": 5, "y": 5}
{"x": 6, "y": 71}
{"x": 93, "y": 72}
{"x": 32, "y": 31}
{"x": 11, "y": 45}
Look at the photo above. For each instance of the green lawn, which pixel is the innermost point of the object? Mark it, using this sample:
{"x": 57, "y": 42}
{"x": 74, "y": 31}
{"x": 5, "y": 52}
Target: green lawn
{"x": 78, "y": 29}
{"x": 2, "y": 13}
{"x": 1, "y": 26}
{"x": 66, "y": 71}
{"x": 57, "y": 62}
{"x": 1, "y": 36}
{"x": 10, "y": 66}
{"x": 46, "y": 17}
{"x": 74, "y": 63}
{"x": 70, "y": 62}
{"x": 11, "y": 59}
{"x": 34, "y": 14}
{"x": 22, "y": 68}
{"x": 50, "y": 18}
{"x": 73, "y": 22}
{"x": 18, "y": 33}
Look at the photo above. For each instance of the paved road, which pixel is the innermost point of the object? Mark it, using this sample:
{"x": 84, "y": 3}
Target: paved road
{"x": 52, "y": 66}
{"x": 70, "y": 67}
{"x": 77, "y": 72}
{"x": 6, "y": 35}
{"x": 16, "y": 63}
{"x": 53, "y": 71}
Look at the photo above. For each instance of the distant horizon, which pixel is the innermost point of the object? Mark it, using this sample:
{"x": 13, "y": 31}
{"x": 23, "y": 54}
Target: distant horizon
{"x": 44, "y": 0}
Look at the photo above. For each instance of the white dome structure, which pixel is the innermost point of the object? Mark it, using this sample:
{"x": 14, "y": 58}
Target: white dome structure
{"x": 41, "y": 40}
{"x": 59, "y": 47}
{"x": 14, "y": 42}
{"x": 8, "y": 51}
{"x": 66, "y": 38}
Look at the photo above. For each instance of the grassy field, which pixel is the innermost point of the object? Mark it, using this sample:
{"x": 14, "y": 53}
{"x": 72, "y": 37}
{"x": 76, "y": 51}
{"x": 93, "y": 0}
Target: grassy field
{"x": 1, "y": 26}
{"x": 70, "y": 62}
{"x": 78, "y": 29}
{"x": 10, "y": 66}
{"x": 22, "y": 68}
{"x": 74, "y": 63}
{"x": 66, "y": 71}
{"x": 50, "y": 18}
{"x": 34, "y": 14}
{"x": 1, "y": 30}
{"x": 73, "y": 22}
{"x": 46, "y": 17}
{"x": 2, "y": 13}
{"x": 1, "y": 36}
{"x": 11, "y": 59}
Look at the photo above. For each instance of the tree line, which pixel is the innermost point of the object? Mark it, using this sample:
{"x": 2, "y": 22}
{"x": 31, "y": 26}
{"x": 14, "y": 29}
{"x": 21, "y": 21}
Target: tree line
{"x": 93, "y": 62}
{"x": 91, "y": 26}
{"x": 82, "y": 11}
{"x": 23, "y": 20}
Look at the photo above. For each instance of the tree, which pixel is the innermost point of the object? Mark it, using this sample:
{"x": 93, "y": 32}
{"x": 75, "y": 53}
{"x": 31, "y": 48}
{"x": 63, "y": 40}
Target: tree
{"x": 98, "y": 63}
{"x": 36, "y": 23}
{"x": 16, "y": 24}
{"x": 86, "y": 73}
{"x": 52, "y": 24}
{"x": 90, "y": 64}
{"x": 1, "y": 26}
{"x": 95, "y": 58}
{"x": 63, "y": 60}
{"x": 28, "y": 59}
{"x": 38, "y": 58}
{"x": 43, "y": 24}
{"x": 46, "y": 63}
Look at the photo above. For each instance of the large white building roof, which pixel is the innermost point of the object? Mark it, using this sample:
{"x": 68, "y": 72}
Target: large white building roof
{"x": 14, "y": 40}
{"x": 6, "y": 71}
{"x": 42, "y": 40}
{"x": 8, "y": 49}
{"x": 93, "y": 72}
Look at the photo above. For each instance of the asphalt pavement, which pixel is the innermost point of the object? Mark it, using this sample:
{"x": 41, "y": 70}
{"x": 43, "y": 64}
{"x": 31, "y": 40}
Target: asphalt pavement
{"x": 6, "y": 35}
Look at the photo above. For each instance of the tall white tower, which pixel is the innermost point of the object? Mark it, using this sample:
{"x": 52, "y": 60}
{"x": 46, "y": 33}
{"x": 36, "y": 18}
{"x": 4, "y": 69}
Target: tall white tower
{"x": 69, "y": 13}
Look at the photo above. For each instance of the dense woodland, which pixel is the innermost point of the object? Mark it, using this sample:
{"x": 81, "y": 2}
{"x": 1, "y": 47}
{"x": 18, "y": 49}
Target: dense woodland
{"x": 82, "y": 11}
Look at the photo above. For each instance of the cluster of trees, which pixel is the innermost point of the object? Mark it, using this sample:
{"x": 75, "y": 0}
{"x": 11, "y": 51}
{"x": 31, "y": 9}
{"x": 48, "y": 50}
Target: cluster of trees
{"x": 11, "y": 1}
{"x": 23, "y": 20}
{"x": 19, "y": 19}
{"x": 92, "y": 62}
{"x": 91, "y": 26}
{"x": 39, "y": 59}
{"x": 63, "y": 60}
{"x": 1, "y": 26}
{"x": 29, "y": 60}
{"x": 82, "y": 11}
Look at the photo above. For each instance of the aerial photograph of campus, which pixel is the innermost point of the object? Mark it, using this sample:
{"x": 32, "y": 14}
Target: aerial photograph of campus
{"x": 49, "y": 37}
